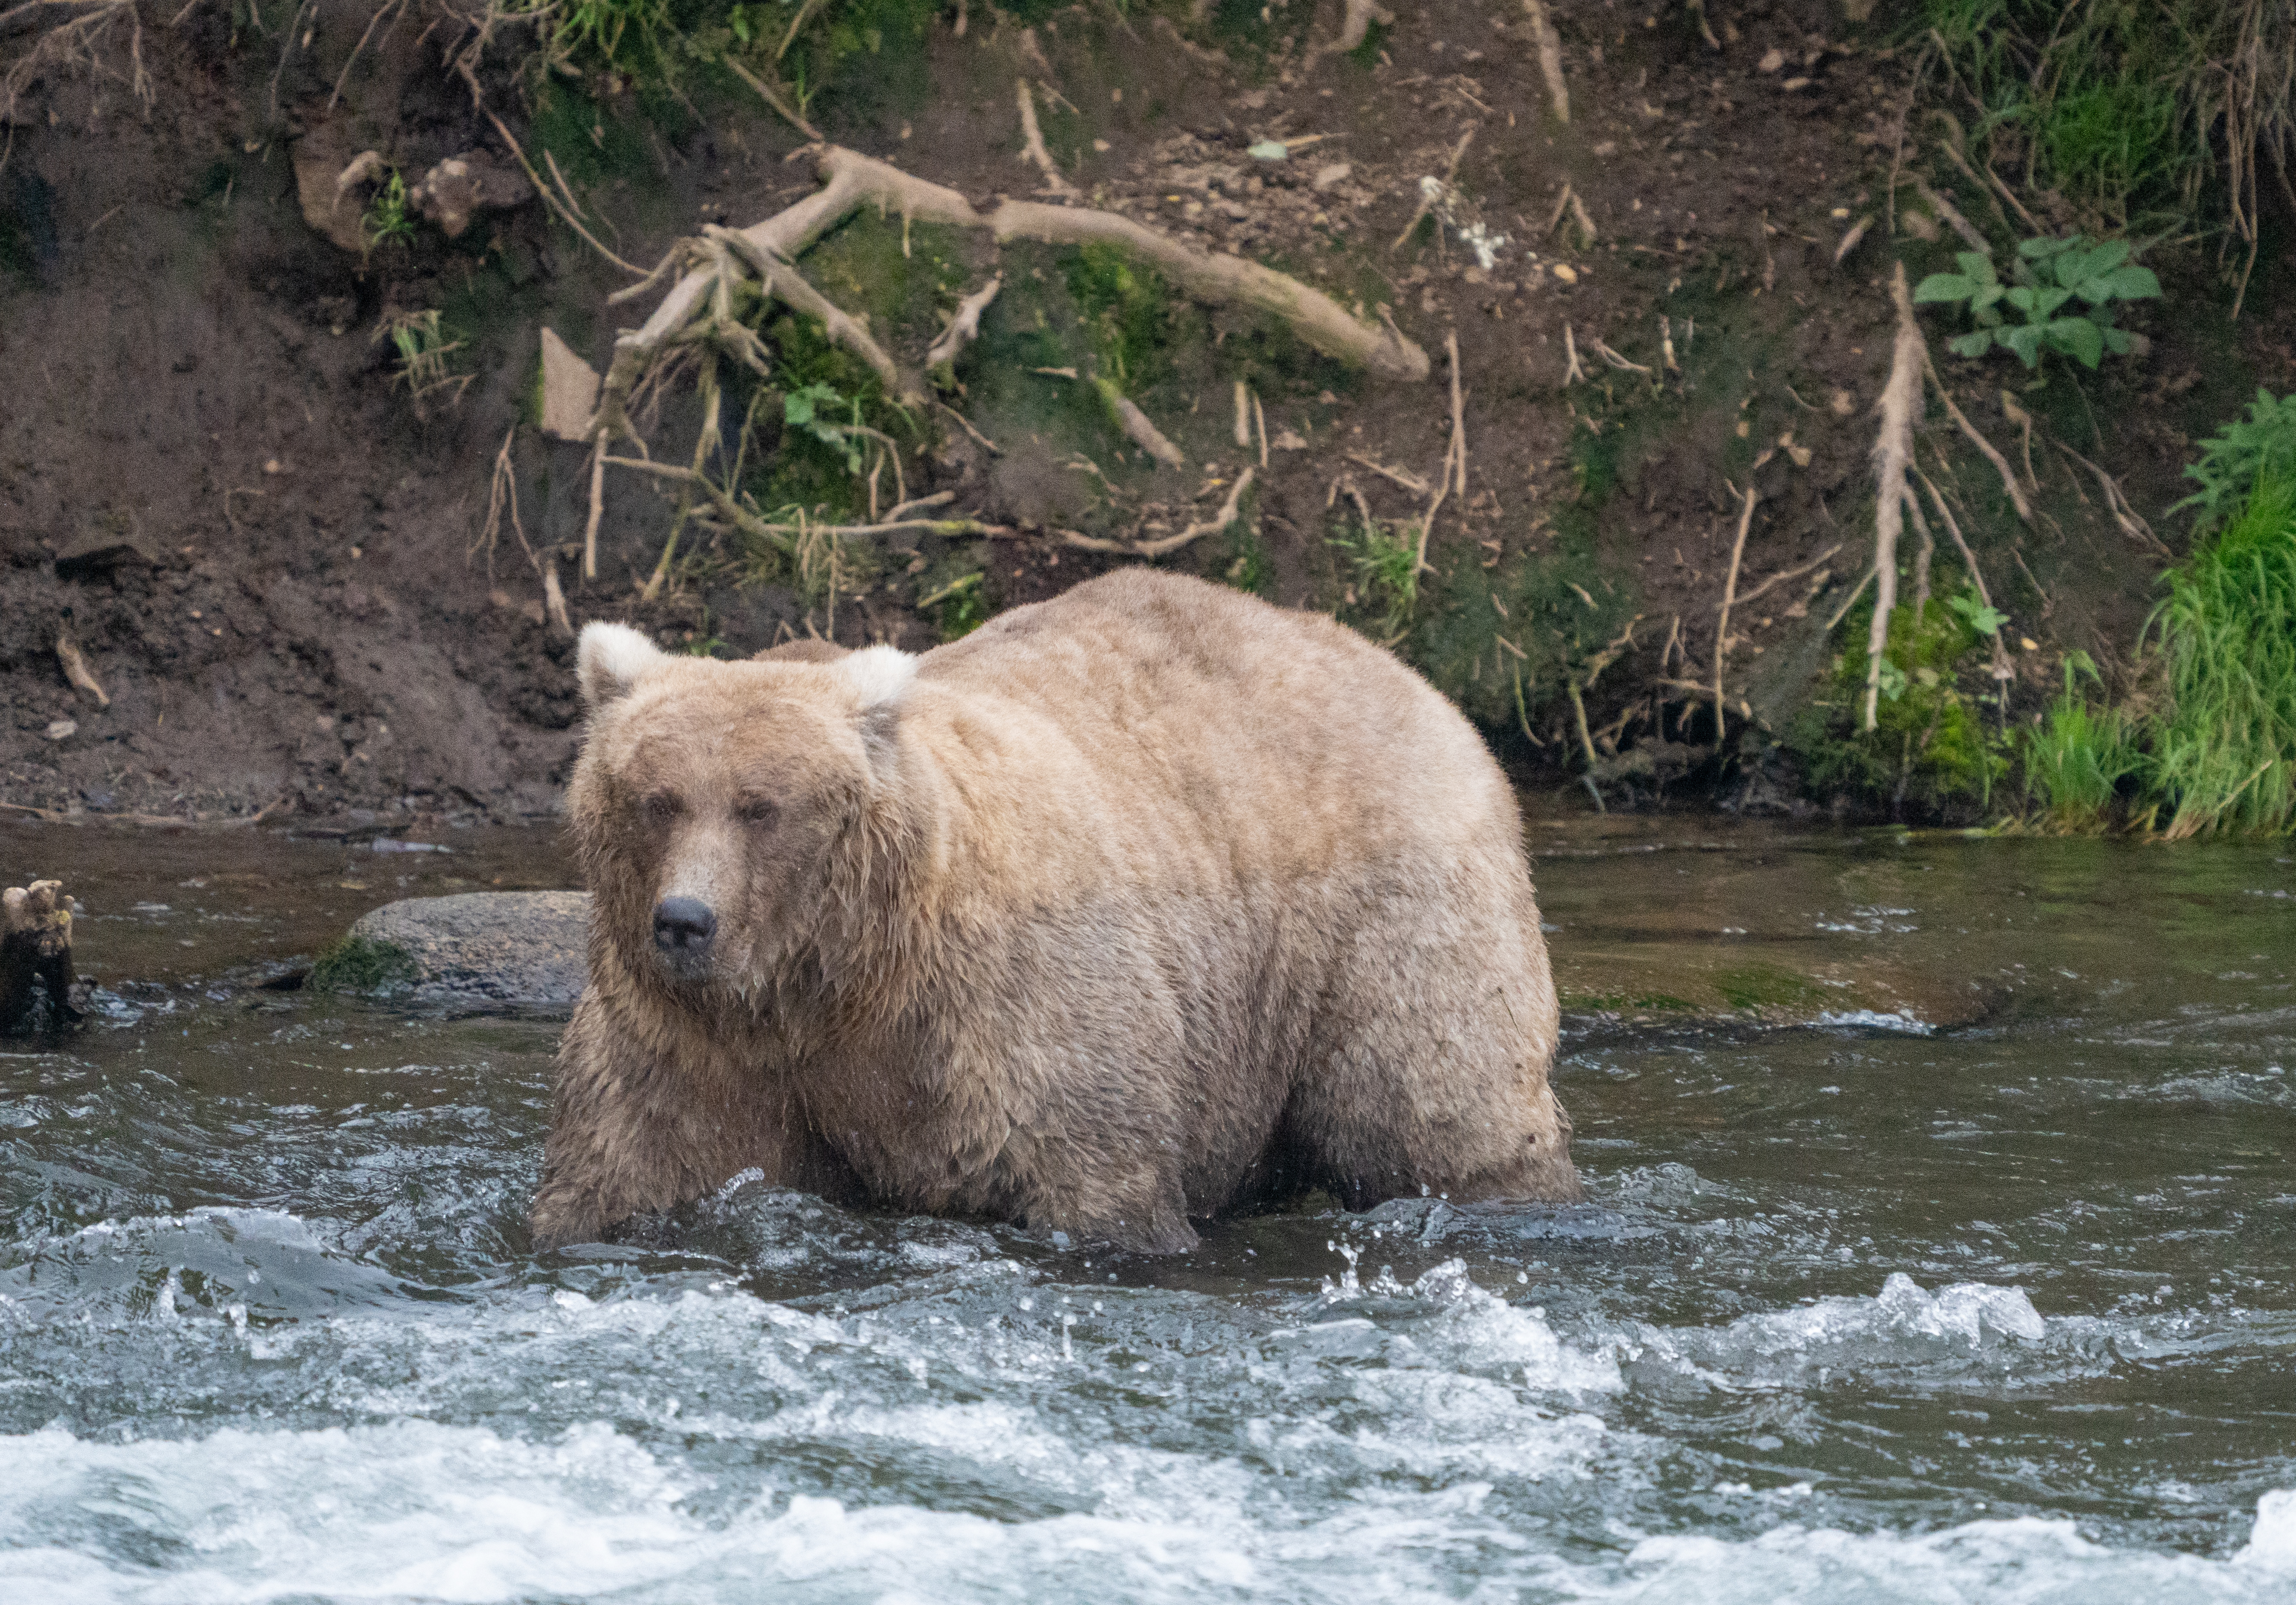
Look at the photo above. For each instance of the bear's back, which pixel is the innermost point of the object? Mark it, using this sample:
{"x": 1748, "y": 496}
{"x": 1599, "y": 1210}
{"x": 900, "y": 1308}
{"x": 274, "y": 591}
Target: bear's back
{"x": 1271, "y": 725}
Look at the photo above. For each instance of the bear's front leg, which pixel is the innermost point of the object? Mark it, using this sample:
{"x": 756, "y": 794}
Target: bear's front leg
{"x": 646, "y": 1118}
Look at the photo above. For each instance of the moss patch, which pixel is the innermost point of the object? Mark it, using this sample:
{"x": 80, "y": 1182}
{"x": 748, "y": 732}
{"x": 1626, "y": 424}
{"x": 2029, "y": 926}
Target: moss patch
{"x": 359, "y": 964}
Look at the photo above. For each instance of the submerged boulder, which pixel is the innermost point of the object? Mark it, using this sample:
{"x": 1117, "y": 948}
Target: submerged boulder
{"x": 478, "y": 947}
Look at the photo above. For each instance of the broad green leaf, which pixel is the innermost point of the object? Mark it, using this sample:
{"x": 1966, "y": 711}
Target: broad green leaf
{"x": 1944, "y": 287}
{"x": 1970, "y": 345}
{"x": 2072, "y": 267}
{"x": 2107, "y": 257}
{"x": 2078, "y": 336}
{"x": 2134, "y": 283}
{"x": 1977, "y": 265}
{"x": 1985, "y": 620}
{"x": 2020, "y": 297}
{"x": 2047, "y": 301}
{"x": 1989, "y": 316}
{"x": 1987, "y": 294}
{"x": 2117, "y": 341}
{"x": 2025, "y": 341}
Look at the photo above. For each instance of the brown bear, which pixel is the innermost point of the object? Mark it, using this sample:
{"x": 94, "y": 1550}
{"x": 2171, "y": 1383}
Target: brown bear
{"x": 1129, "y": 907}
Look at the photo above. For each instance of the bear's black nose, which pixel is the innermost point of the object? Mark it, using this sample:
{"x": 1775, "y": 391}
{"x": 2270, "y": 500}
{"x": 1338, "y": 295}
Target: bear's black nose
{"x": 683, "y": 927}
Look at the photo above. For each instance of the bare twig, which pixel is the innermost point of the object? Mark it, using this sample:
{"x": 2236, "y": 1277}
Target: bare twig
{"x": 1427, "y": 198}
{"x": 1458, "y": 415}
{"x": 774, "y": 98}
{"x": 1729, "y": 597}
{"x": 1574, "y": 372}
{"x": 1404, "y": 477}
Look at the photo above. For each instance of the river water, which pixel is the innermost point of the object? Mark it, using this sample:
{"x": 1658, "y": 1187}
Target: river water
{"x": 1941, "y": 1247}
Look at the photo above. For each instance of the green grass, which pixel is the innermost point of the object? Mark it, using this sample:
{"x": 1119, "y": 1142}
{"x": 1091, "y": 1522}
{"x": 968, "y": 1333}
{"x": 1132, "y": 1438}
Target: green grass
{"x": 2224, "y": 754}
{"x": 2076, "y": 758}
{"x": 2137, "y": 113}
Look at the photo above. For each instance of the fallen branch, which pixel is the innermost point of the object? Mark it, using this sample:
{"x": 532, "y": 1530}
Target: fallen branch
{"x": 1164, "y": 544}
{"x": 1313, "y": 315}
{"x": 1893, "y": 454}
{"x": 1729, "y": 596}
{"x": 1454, "y": 457}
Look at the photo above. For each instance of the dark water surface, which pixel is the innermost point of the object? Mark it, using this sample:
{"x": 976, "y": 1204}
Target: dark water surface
{"x": 1982, "y": 1287}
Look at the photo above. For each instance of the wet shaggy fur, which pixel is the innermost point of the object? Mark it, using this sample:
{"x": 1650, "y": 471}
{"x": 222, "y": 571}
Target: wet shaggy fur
{"x": 1131, "y": 906}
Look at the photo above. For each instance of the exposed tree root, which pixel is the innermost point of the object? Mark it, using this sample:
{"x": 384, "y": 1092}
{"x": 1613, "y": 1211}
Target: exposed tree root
{"x": 2000, "y": 463}
{"x": 1729, "y": 597}
{"x": 964, "y": 327}
{"x": 854, "y": 180}
{"x": 1165, "y": 544}
{"x": 1032, "y": 141}
{"x": 1549, "y": 45}
{"x": 1893, "y": 454}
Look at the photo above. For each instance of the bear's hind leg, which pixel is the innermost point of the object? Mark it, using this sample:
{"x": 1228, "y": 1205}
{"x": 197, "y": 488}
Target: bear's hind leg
{"x": 1429, "y": 1068}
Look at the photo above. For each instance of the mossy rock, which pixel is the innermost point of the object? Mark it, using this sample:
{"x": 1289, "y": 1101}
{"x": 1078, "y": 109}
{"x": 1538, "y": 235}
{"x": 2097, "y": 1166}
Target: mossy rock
{"x": 358, "y": 963}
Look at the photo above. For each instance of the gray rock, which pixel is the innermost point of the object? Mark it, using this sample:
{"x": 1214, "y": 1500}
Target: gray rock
{"x": 489, "y": 947}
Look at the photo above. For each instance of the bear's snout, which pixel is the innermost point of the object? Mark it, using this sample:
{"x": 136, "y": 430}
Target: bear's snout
{"x": 683, "y": 928}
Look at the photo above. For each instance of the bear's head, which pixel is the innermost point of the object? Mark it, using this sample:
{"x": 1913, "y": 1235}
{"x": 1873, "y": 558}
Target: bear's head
{"x": 723, "y": 809}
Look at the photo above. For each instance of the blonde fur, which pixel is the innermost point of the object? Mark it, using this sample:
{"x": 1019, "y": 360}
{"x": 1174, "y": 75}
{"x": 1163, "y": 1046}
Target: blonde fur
{"x": 1132, "y": 906}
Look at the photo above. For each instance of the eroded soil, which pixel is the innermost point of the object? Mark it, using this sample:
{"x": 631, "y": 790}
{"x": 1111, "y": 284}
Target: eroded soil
{"x": 271, "y": 555}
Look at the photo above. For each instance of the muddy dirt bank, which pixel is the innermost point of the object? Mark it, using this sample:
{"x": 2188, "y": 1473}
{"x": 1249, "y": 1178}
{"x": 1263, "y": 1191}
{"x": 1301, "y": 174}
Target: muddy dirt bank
{"x": 217, "y": 483}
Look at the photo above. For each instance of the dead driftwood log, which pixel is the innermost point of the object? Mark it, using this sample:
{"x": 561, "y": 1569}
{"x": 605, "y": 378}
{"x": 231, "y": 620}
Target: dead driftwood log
{"x": 36, "y": 957}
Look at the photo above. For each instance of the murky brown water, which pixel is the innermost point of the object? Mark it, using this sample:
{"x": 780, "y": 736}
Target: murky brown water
{"x": 1974, "y": 1285}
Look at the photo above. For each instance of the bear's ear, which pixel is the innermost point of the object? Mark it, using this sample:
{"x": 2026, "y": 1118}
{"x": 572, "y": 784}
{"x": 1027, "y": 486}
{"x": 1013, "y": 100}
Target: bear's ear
{"x": 612, "y": 658}
{"x": 880, "y": 676}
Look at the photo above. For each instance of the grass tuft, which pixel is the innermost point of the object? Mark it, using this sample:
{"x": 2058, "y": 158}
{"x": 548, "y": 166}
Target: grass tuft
{"x": 2225, "y": 754}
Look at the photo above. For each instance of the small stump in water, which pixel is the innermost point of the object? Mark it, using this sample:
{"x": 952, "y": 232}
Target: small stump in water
{"x": 35, "y": 948}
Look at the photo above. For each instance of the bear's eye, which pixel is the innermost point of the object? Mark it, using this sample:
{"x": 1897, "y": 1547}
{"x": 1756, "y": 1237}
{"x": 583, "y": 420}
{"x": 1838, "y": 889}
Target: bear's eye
{"x": 757, "y": 810}
{"x": 661, "y": 806}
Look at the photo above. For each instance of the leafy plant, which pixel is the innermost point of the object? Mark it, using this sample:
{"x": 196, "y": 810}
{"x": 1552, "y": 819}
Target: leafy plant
{"x": 2047, "y": 275}
{"x": 2076, "y": 758}
{"x": 386, "y": 216}
{"x": 2225, "y": 755}
{"x": 811, "y": 409}
{"x": 2246, "y": 450}
{"x": 1932, "y": 742}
